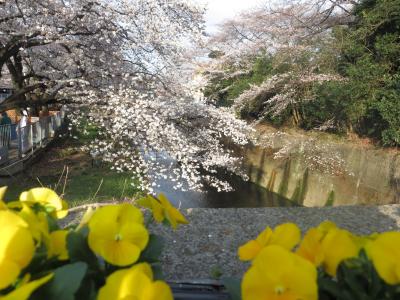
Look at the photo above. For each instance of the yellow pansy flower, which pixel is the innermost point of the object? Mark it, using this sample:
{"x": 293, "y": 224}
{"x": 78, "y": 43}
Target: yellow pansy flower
{"x": 117, "y": 233}
{"x": 134, "y": 283}
{"x": 58, "y": 244}
{"x": 2, "y": 193}
{"x": 47, "y": 198}
{"x": 384, "y": 252}
{"x": 16, "y": 247}
{"x": 310, "y": 247}
{"x": 37, "y": 223}
{"x": 326, "y": 226}
{"x": 278, "y": 274}
{"x": 24, "y": 291}
{"x": 286, "y": 235}
{"x": 163, "y": 209}
{"x": 328, "y": 246}
{"x": 337, "y": 246}
{"x": 86, "y": 218}
{"x": 154, "y": 205}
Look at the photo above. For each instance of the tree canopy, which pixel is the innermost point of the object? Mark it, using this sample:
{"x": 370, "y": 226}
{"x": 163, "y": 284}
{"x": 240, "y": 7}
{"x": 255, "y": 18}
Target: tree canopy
{"x": 327, "y": 65}
{"x": 122, "y": 67}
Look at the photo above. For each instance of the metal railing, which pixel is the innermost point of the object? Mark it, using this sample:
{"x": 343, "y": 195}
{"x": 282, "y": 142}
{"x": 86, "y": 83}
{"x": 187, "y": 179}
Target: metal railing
{"x": 5, "y": 135}
{"x": 30, "y": 137}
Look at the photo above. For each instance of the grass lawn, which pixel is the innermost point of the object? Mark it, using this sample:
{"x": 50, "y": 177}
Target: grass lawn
{"x": 92, "y": 185}
{"x": 85, "y": 182}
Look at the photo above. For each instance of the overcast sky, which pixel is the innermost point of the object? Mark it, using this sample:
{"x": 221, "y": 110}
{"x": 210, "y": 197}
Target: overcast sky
{"x": 218, "y": 10}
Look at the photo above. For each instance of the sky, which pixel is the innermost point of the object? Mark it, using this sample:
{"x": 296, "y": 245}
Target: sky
{"x": 219, "y": 10}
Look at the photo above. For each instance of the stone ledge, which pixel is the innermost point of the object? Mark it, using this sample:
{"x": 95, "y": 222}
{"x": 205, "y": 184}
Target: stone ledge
{"x": 211, "y": 240}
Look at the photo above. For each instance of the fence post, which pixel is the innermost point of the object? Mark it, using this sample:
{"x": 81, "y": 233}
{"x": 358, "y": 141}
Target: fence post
{"x": 31, "y": 137}
{"x": 19, "y": 141}
{"x": 39, "y": 132}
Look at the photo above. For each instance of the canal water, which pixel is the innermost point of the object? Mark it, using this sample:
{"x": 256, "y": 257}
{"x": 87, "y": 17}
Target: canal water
{"x": 245, "y": 194}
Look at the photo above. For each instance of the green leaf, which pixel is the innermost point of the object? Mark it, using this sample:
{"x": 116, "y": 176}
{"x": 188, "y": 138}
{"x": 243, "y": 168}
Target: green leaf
{"x": 53, "y": 224}
{"x": 39, "y": 260}
{"x": 78, "y": 250}
{"x": 87, "y": 290}
{"x": 216, "y": 272}
{"x": 153, "y": 250}
{"x": 233, "y": 287}
{"x": 328, "y": 288}
{"x": 65, "y": 283}
{"x": 157, "y": 272}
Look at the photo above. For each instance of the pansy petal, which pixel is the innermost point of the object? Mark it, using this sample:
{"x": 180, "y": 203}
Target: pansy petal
{"x": 45, "y": 196}
{"x": 86, "y": 218}
{"x": 157, "y": 290}
{"x": 8, "y": 218}
{"x": 17, "y": 243}
{"x": 24, "y": 292}
{"x": 311, "y": 247}
{"x": 157, "y": 210}
{"x": 129, "y": 213}
{"x": 384, "y": 253}
{"x": 337, "y": 246}
{"x": 136, "y": 234}
{"x": 58, "y": 244}
{"x": 164, "y": 200}
{"x": 120, "y": 253}
{"x": 9, "y": 271}
{"x": 264, "y": 237}
{"x": 60, "y": 214}
{"x": 277, "y": 273}
{"x": 145, "y": 202}
{"x": 249, "y": 250}
{"x": 286, "y": 235}
{"x": 178, "y": 216}
{"x": 38, "y": 224}
{"x": 125, "y": 284}
{"x": 2, "y": 193}
{"x": 14, "y": 204}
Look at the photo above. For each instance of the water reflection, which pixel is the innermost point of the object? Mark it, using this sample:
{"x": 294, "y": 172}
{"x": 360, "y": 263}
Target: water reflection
{"x": 246, "y": 194}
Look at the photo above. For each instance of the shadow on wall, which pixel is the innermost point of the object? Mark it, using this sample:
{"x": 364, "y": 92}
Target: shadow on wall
{"x": 369, "y": 177}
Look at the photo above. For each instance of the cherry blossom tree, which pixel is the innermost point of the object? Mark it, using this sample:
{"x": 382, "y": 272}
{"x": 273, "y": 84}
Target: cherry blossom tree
{"x": 282, "y": 92}
{"x": 158, "y": 137}
{"x": 297, "y": 36}
{"x": 49, "y": 45}
{"x": 288, "y": 27}
{"x": 123, "y": 67}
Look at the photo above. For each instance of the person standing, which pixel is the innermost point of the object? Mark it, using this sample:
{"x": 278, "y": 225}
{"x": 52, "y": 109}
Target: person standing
{"x": 5, "y": 129}
{"x": 5, "y": 119}
{"x": 22, "y": 130}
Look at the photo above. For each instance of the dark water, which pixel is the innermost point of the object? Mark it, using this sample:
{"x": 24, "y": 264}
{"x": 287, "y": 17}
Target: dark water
{"x": 246, "y": 194}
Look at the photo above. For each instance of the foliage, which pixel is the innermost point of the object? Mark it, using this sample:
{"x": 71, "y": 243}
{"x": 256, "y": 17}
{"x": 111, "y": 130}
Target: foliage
{"x": 334, "y": 68}
{"x": 109, "y": 255}
{"x": 370, "y": 60}
{"x": 129, "y": 79}
{"x": 224, "y": 90}
{"x": 327, "y": 263}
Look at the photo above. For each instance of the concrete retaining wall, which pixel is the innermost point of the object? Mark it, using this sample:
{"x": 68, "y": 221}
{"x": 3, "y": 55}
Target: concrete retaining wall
{"x": 318, "y": 169}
